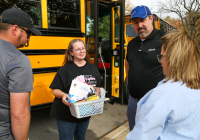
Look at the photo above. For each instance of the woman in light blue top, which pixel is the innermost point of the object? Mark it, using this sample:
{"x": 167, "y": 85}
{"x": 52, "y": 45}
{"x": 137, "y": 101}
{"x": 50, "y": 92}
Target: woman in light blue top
{"x": 171, "y": 111}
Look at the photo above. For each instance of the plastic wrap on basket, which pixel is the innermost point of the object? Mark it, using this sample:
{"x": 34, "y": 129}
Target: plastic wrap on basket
{"x": 89, "y": 108}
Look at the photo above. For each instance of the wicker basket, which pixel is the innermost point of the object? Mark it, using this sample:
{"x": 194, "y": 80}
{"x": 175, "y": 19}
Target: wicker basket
{"x": 88, "y": 108}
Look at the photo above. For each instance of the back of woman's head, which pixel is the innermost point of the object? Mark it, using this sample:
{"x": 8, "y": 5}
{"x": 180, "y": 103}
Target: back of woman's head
{"x": 183, "y": 58}
{"x": 68, "y": 57}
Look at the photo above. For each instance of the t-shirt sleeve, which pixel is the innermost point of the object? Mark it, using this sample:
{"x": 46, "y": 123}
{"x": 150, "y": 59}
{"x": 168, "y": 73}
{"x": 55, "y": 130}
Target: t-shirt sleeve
{"x": 57, "y": 83}
{"x": 19, "y": 73}
{"x": 98, "y": 76}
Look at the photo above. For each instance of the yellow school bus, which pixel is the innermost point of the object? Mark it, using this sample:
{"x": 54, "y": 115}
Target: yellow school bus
{"x": 97, "y": 23}
{"x": 60, "y": 21}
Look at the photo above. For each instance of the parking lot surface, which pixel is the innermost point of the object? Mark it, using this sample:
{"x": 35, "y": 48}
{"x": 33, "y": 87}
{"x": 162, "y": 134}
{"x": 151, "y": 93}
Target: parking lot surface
{"x": 43, "y": 126}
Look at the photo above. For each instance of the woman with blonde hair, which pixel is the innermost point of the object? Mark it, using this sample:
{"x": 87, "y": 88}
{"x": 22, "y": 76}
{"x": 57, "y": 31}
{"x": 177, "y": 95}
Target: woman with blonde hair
{"x": 171, "y": 111}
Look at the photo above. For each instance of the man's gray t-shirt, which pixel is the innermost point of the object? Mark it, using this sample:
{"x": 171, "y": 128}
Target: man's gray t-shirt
{"x": 15, "y": 76}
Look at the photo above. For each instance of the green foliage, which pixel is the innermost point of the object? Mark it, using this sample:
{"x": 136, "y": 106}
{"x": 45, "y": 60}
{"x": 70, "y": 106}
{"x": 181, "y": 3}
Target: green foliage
{"x": 104, "y": 27}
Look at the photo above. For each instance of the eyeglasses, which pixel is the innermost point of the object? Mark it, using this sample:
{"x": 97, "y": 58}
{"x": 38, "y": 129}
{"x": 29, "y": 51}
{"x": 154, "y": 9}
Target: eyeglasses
{"x": 80, "y": 49}
{"x": 160, "y": 57}
{"x": 29, "y": 33}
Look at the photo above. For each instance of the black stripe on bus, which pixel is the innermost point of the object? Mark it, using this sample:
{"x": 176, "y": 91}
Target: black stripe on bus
{"x": 45, "y": 70}
{"x": 43, "y": 52}
{"x": 59, "y": 31}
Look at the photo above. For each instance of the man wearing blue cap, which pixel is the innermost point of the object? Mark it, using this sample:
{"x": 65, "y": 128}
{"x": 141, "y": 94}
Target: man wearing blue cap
{"x": 16, "y": 77}
{"x": 142, "y": 68}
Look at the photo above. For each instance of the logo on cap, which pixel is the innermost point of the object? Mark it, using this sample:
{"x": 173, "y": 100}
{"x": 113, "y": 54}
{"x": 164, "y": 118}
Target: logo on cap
{"x": 140, "y": 11}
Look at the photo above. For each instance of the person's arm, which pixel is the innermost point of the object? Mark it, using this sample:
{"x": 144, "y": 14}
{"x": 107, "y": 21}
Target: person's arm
{"x": 126, "y": 68}
{"x": 20, "y": 115}
{"x": 59, "y": 94}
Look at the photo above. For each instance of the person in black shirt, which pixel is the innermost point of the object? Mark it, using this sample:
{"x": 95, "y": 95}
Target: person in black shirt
{"x": 75, "y": 64}
{"x": 142, "y": 68}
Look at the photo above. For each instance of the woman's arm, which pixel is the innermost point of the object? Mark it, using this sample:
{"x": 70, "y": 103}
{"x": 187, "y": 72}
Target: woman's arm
{"x": 59, "y": 94}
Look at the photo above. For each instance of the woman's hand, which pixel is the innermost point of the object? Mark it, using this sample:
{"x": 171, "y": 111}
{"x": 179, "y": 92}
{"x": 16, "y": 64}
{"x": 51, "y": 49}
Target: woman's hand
{"x": 98, "y": 91}
{"x": 59, "y": 94}
{"x": 64, "y": 100}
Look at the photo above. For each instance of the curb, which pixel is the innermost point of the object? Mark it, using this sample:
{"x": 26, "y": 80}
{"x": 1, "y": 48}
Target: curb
{"x": 118, "y": 134}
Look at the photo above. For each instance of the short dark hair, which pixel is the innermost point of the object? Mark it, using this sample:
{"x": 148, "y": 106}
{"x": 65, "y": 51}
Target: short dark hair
{"x": 4, "y": 26}
{"x": 149, "y": 16}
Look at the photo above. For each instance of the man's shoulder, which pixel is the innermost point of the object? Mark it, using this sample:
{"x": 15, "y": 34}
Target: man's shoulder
{"x": 23, "y": 58}
{"x": 10, "y": 50}
{"x": 134, "y": 40}
{"x": 160, "y": 33}
{"x": 156, "y": 34}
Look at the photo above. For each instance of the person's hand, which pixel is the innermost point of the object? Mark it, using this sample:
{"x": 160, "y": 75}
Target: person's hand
{"x": 98, "y": 93}
{"x": 64, "y": 100}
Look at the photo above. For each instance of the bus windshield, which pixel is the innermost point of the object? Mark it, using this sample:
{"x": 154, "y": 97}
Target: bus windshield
{"x": 103, "y": 21}
{"x": 130, "y": 32}
{"x": 117, "y": 26}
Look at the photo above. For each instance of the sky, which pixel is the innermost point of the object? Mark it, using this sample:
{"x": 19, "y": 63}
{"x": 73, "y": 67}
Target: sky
{"x": 152, "y": 4}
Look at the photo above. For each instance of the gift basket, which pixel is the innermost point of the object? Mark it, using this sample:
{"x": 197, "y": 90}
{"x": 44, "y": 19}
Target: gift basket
{"x": 84, "y": 102}
{"x": 88, "y": 108}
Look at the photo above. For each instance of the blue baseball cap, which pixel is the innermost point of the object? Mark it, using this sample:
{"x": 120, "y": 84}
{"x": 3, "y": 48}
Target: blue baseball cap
{"x": 140, "y": 11}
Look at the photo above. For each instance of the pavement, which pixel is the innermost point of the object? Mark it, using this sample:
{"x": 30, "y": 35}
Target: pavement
{"x": 110, "y": 125}
{"x": 119, "y": 133}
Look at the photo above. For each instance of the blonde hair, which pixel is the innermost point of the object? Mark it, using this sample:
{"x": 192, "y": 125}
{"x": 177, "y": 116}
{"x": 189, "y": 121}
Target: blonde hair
{"x": 68, "y": 57}
{"x": 183, "y": 58}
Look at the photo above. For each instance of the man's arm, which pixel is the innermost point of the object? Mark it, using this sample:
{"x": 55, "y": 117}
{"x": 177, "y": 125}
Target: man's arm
{"x": 20, "y": 115}
{"x": 126, "y": 68}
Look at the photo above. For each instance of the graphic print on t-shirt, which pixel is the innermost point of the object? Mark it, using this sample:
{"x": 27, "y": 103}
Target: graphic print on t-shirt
{"x": 90, "y": 80}
{"x": 87, "y": 79}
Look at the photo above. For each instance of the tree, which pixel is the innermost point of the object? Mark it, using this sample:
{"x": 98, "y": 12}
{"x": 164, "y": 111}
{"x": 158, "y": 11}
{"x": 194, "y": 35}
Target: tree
{"x": 103, "y": 27}
{"x": 187, "y": 11}
{"x": 128, "y": 7}
{"x": 174, "y": 21}
{"x": 104, "y": 21}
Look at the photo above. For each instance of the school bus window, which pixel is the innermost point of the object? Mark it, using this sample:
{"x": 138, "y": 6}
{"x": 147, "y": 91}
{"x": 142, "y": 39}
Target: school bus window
{"x": 117, "y": 33}
{"x": 32, "y": 7}
{"x": 130, "y": 32}
{"x": 117, "y": 27}
{"x": 63, "y": 13}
